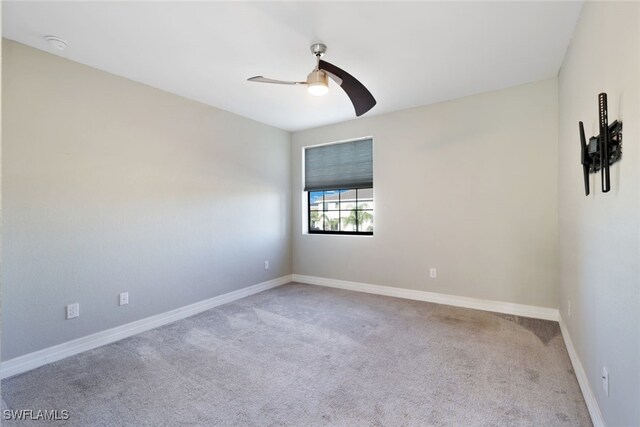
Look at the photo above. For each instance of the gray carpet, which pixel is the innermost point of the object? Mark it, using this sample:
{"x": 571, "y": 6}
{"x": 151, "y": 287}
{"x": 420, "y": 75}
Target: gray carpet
{"x": 304, "y": 355}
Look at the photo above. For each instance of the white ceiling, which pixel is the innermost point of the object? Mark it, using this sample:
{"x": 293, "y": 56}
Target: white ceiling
{"x": 407, "y": 53}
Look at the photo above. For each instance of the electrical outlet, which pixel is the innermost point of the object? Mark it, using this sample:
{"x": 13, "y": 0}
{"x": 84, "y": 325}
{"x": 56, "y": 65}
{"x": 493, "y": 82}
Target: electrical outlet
{"x": 605, "y": 381}
{"x": 433, "y": 273}
{"x": 73, "y": 310}
{"x": 266, "y": 265}
{"x": 569, "y": 308}
{"x": 123, "y": 298}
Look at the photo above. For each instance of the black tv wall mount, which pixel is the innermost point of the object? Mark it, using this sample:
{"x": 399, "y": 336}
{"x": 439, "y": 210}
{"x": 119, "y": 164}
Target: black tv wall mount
{"x": 602, "y": 150}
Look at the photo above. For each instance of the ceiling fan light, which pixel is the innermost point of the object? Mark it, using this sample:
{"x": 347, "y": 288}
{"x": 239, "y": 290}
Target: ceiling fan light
{"x": 318, "y": 89}
{"x": 317, "y": 83}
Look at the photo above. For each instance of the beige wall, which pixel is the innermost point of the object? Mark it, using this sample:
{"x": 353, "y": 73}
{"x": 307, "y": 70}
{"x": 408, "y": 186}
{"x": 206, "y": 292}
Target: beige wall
{"x": 467, "y": 186}
{"x": 600, "y": 234}
{"x": 110, "y": 186}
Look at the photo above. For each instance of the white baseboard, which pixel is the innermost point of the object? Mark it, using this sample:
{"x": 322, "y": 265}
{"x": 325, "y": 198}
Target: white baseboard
{"x": 583, "y": 380}
{"x": 458, "y": 301}
{"x": 42, "y": 357}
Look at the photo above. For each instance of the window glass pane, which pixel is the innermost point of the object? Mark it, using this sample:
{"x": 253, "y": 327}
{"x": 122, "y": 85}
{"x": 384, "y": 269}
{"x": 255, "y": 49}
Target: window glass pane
{"x": 332, "y": 200}
{"x": 348, "y": 205}
{"x": 331, "y": 221}
{"x": 348, "y": 220}
{"x": 365, "y": 193}
{"x": 365, "y": 221}
{"x": 347, "y": 199}
{"x": 365, "y": 198}
{"x": 316, "y": 220}
{"x": 365, "y": 205}
{"x": 348, "y": 194}
{"x": 315, "y": 200}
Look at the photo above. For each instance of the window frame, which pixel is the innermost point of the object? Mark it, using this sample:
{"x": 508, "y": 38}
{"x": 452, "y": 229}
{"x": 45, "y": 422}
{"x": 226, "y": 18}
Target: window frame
{"x": 338, "y": 232}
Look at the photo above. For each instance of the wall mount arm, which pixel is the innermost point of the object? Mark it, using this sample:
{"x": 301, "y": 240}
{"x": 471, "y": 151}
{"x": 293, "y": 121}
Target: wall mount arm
{"x": 602, "y": 150}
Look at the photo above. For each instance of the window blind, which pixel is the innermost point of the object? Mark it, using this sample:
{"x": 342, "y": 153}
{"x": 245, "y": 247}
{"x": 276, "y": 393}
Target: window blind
{"x": 339, "y": 166}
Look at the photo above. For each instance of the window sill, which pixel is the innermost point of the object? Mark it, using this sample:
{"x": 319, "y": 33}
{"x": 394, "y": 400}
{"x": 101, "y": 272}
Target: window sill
{"x": 306, "y": 233}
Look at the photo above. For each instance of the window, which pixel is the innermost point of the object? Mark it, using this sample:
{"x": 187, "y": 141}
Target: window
{"x": 339, "y": 186}
{"x": 341, "y": 211}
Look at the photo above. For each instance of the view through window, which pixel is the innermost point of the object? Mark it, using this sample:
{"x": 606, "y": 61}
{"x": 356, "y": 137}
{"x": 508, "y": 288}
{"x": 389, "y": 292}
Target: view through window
{"x": 348, "y": 211}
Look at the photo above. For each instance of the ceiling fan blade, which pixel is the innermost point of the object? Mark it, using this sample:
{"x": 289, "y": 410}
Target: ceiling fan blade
{"x": 262, "y": 79}
{"x": 359, "y": 95}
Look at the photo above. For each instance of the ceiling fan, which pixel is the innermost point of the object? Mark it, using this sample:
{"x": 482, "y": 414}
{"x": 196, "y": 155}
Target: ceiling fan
{"x": 318, "y": 83}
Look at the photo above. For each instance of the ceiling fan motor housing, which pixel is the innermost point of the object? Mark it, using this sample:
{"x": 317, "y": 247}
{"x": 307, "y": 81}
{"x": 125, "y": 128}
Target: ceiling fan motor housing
{"x": 317, "y": 77}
